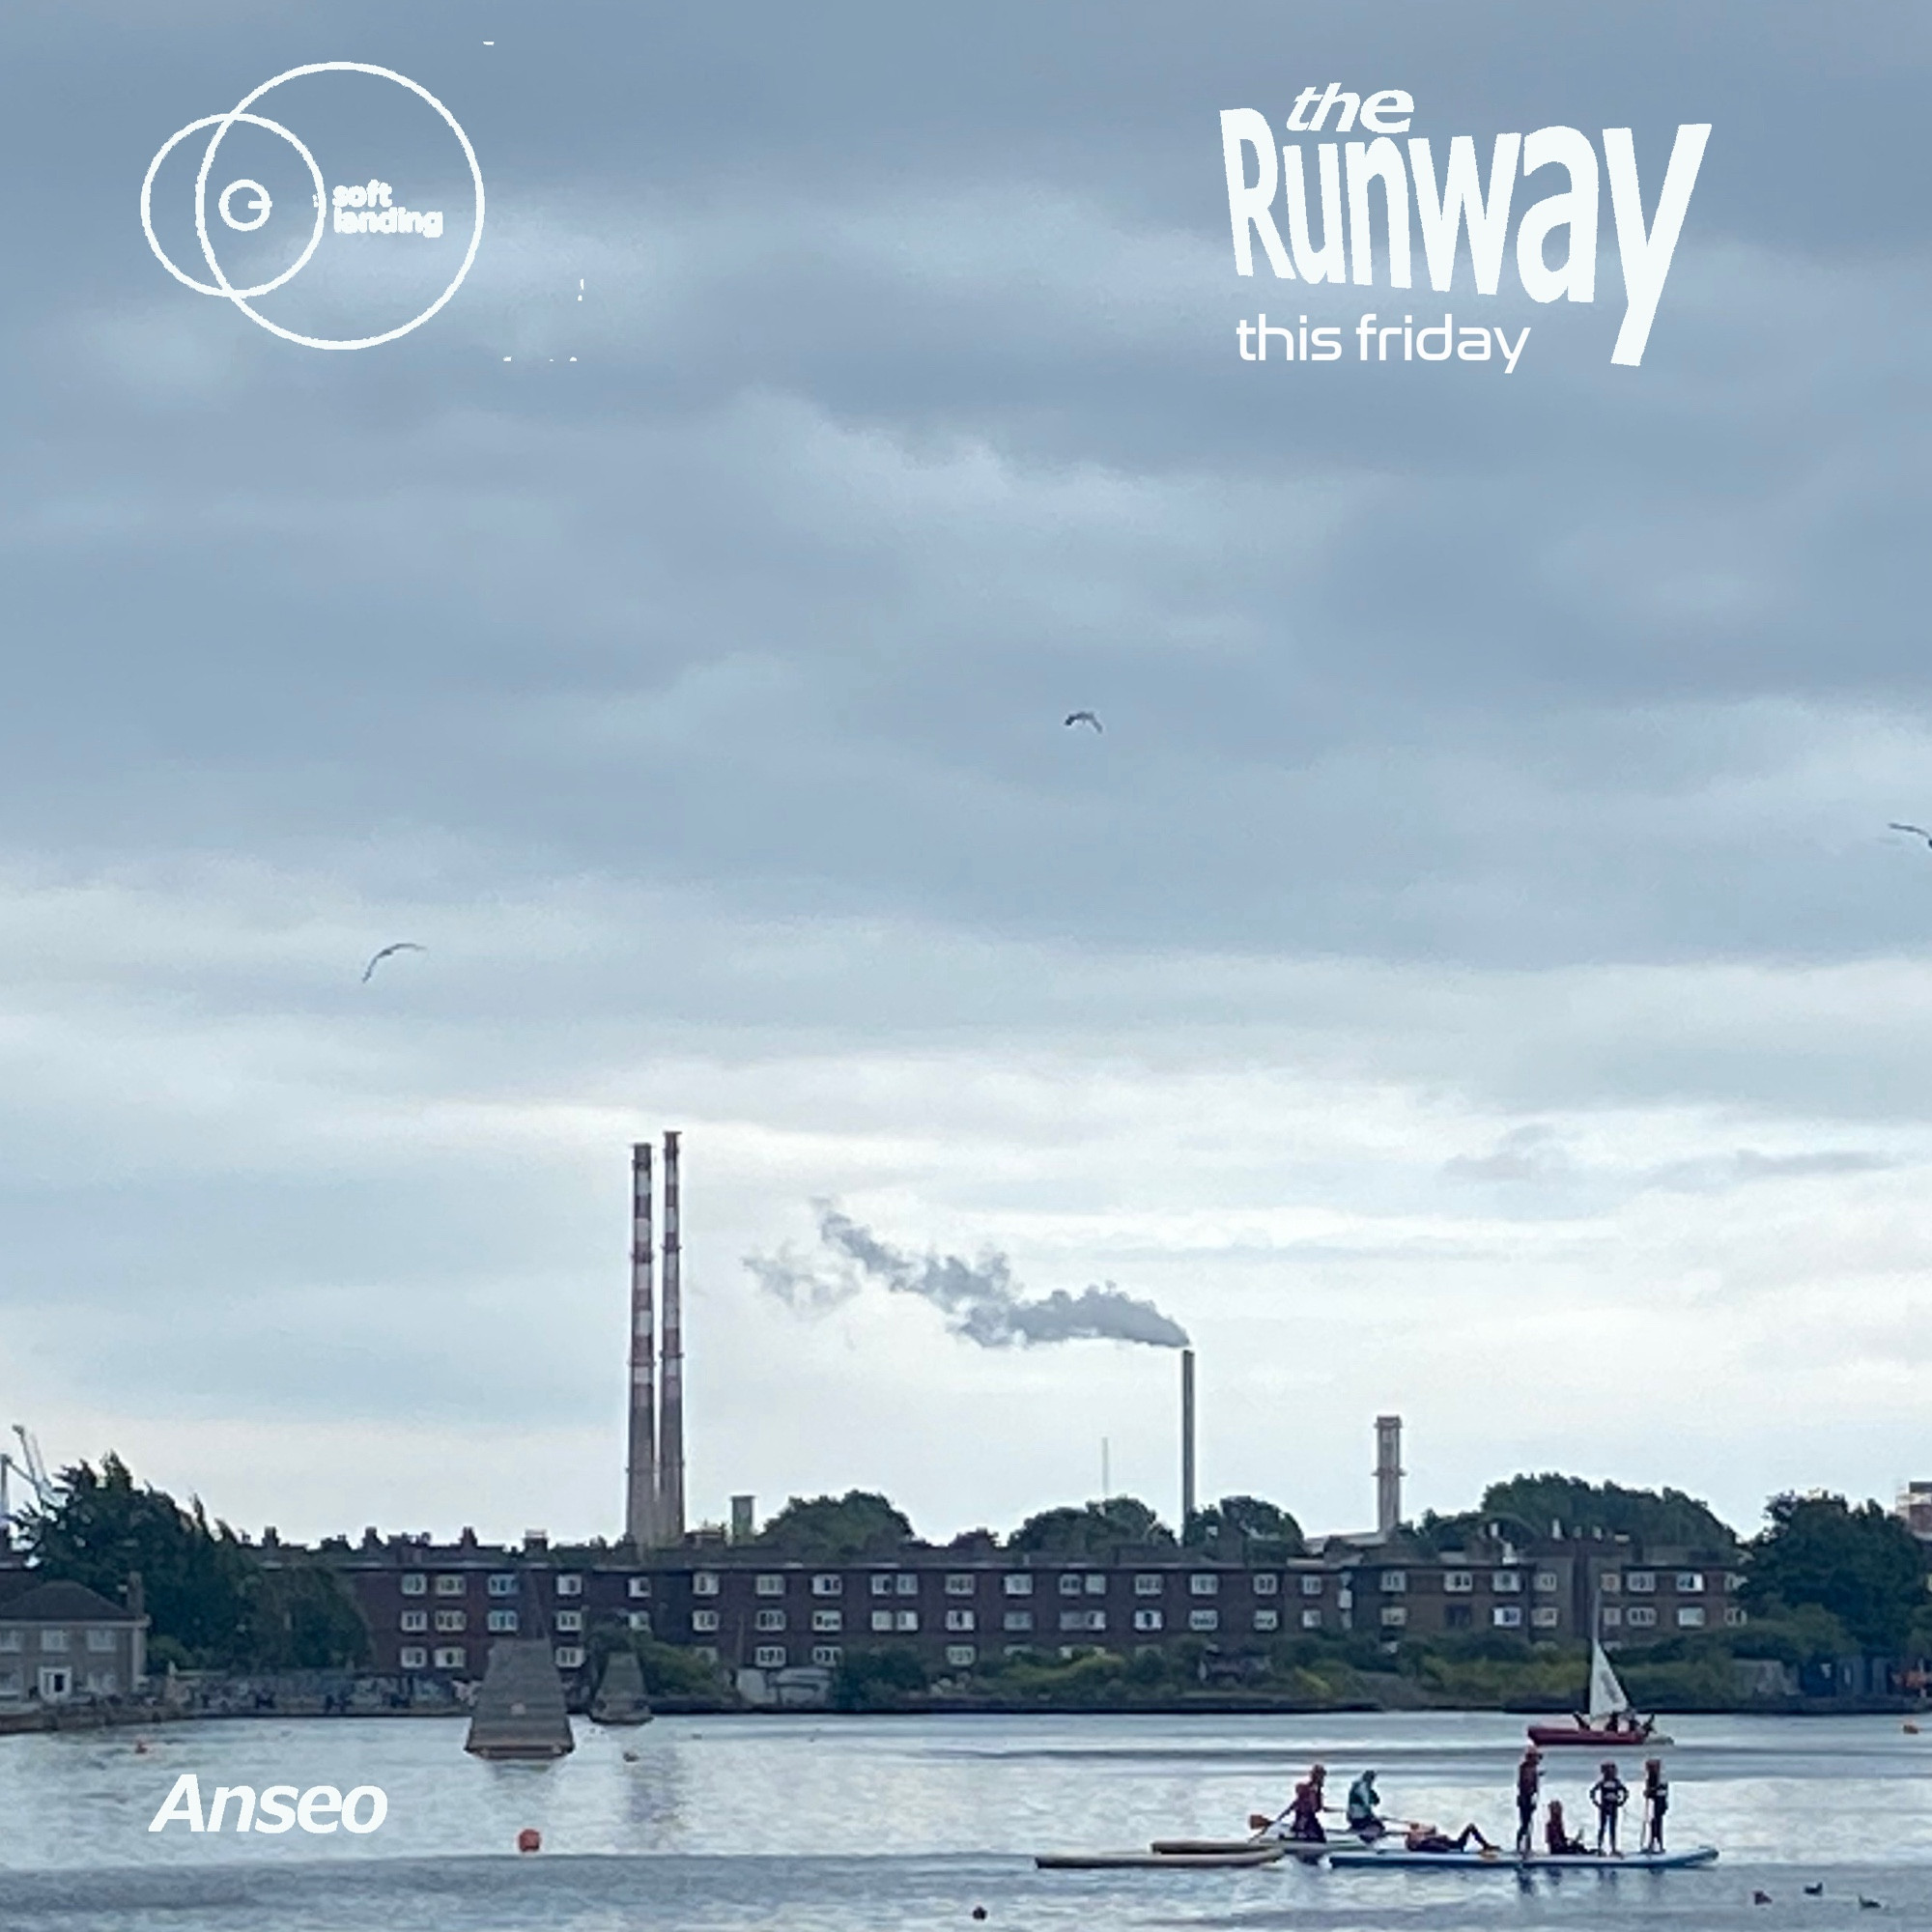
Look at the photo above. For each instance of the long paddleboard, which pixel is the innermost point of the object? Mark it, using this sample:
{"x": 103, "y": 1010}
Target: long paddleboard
{"x": 1398, "y": 1858}
{"x": 1293, "y": 1848}
{"x": 1213, "y": 1861}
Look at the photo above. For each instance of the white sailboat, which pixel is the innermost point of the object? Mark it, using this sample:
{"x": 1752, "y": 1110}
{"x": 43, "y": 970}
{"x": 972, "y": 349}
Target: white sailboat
{"x": 1610, "y": 1722}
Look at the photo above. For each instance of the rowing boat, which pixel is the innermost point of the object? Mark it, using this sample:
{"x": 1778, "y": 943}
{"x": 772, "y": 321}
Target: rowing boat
{"x": 1398, "y": 1858}
{"x": 1225, "y": 1857}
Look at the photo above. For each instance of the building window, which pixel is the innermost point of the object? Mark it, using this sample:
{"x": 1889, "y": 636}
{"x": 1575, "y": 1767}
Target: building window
{"x": 704, "y": 1620}
{"x": 1690, "y": 1582}
{"x": 450, "y": 1586}
{"x": 452, "y": 1620}
{"x": 1506, "y": 1583}
{"x": 1394, "y": 1582}
{"x": 1394, "y": 1616}
{"x": 450, "y": 1658}
{"x": 1641, "y": 1582}
{"x": 1310, "y": 1586}
{"x": 1204, "y": 1584}
{"x": 1456, "y": 1617}
{"x": 1640, "y": 1616}
{"x": 1203, "y": 1620}
{"x": 1097, "y": 1583}
{"x": 960, "y": 1620}
{"x": 770, "y": 1583}
{"x": 1733, "y": 1582}
{"x": 824, "y": 1584}
{"x": 1018, "y": 1620}
{"x": 906, "y": 1582}
{"x": 1268, "y": 1620}
{"x": 882, "y": 1623}
{"x": 641, "y": 1620}
{"x": 1458, "y": 1583}
{"x": 769, "y": 1657}
{"x": 1146, "y": 1585}
{"x": 1613, "y": 1617}
{"x": 705, "y": 1584}
{"x": 502, "y": 1623}
{"x": 9, "y": 1639}
{"x": 705, "y": 1653}
{"x": 103, "y": 1683}
{"x": 98, "y": 1640}
{"x": 1017, "y": 1584}
{"x": 1690, "y": 1616}
{"x": 503, "y": 1584}
{"x": 1311, "y": 1620}
{"x": 1545, "y": 1582}
{"x": 960, "y": 1585}
{"x": 1734, "y": 1614}
{"x": 414, "y": 1620}
{"x": 415, "y": 1584}
{"x": 569, "y": 1622}
{"x": 1266, "y": 1583}
{"x": 1507, "y": 1616}
{"x": 881, "y": 1583}
{"x": 1545, "y": 1616}
{"x": 1610, "y": 1583}
{"x": 1070, "y": 1585}
{"x": 827, "y": 1656}
{"x": 769, "y": 1620}
{"x": 570, "y": 1586}
{"x": 827, "y": 1620}
{"x": 1083, "y": 1620}
{"x": 413, "y": 1657}
{"x": 569, "y": 1656}
{"x": 906, "y": 1620}
{"x": 960, "y": 1655}
{"x": 638, "y": 1586}
{"x": 1147, "y": 1620}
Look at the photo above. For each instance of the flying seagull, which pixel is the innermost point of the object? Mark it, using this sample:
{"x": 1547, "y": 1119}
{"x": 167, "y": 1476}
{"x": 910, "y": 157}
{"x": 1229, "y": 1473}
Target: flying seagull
{"x": 401, "y": 946}
{"x": 1917, "y": 830}
{"x": 1083, "y": 718}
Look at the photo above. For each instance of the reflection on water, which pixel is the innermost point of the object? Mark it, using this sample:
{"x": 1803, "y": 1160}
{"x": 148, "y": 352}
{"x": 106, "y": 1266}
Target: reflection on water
{"x": 901, "y": 1822}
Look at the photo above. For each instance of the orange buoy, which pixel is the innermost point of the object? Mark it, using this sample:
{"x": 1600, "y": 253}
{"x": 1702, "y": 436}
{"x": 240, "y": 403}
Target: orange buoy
{"x": 530, "y": 1839}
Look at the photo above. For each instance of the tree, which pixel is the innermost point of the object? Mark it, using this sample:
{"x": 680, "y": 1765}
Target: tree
{"x": 1093, "y": 1529}
{"x": 1863, "y": 1565}
{"x": 1646, "y": 1516}
{"x": 877, "y": 1680}
{"x": 836, "y": 1530}
{"x": 1231, "y": 1525}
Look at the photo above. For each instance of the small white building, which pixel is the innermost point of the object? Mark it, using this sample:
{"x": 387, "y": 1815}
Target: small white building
{"x": 59, "y": 1641}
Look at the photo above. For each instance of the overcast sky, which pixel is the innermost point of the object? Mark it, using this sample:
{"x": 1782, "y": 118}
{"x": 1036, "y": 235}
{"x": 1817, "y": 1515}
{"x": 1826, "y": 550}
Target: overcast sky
{"x": 1470, "y": 975}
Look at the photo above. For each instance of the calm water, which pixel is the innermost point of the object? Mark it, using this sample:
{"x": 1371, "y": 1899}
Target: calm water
{"x": 903, "y": 1823}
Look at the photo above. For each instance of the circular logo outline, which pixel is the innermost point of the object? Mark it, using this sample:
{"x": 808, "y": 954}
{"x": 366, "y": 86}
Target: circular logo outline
{"x": 265, "y": 205}
{"x": 241, "y": 297}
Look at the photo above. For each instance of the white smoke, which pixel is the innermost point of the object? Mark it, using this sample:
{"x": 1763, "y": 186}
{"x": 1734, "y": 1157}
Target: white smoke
{"x": 981, "y": 1301}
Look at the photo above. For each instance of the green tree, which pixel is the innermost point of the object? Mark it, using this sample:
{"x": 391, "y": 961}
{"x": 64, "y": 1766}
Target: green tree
{"x": 836, "y": 1529}
{"x": 1236, "y": 1522}
{"x": 1863, "y": 1565}
{"x": 1093, "y": 1529}
{"x": 300, "y": 1616}
{"x": 1646, "y": 1516}
{"x": 877, "y": 1680}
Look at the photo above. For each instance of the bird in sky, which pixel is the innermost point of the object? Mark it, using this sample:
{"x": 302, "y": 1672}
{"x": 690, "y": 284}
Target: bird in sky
{"x": 401, "y": 946}
{"x": 1085, "y": 718}
{"x": 1917, "y": 830}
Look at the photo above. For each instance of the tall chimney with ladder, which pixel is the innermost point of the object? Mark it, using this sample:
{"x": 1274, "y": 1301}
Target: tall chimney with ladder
{"x": 641, "y": 1489}
{"x": 670, "y": 1443}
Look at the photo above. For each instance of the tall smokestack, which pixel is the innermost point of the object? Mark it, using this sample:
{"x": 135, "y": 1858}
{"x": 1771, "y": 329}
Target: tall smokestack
{"x": 1186, "y": 1438}
{"x": 670, "y": 1447}
{"x": 1388, "y": 1473}
{"x": 640, "y": 1493}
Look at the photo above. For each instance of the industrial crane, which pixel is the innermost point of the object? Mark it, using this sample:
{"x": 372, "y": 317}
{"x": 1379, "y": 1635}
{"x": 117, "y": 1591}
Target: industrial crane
{"x": 28, "y": 1464}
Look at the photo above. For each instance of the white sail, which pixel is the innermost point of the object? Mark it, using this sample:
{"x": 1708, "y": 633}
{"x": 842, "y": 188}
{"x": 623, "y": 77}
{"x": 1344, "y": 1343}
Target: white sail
{"x": 1606, "y": 1694}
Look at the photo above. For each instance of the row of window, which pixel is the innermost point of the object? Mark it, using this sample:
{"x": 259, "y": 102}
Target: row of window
{"x": 1643, "y": 1616}
{"x": 100, "y": 1641}
{"x": 498, "y": 1583}
{"x": 454, "y": 1657}
{"x": 1643, "y": 1582}
{"x": 829, "y": 1655}
{"x": 57, "y": 1683}
{"x": 1013, "y": 1583}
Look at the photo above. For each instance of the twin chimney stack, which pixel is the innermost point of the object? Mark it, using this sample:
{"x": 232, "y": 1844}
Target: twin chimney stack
{"x": 654, "y": 1492}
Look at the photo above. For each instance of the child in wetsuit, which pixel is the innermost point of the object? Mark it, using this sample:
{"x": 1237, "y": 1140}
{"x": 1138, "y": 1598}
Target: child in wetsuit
{"x": 1610, "y": 1795}
{"x": 1656, "y": 1801}
{"x": 1528, "y": 1781}
{"x": 1557, "y": 1838}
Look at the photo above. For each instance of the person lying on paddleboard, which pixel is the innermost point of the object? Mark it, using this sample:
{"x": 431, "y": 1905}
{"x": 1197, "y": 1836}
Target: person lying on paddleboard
{"x": 1556, "y": 1839}
{"x": 1426, "y": 1839}
{"x": 1364, "y": 1806}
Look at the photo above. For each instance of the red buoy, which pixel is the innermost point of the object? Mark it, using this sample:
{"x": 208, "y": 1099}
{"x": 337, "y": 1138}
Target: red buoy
{"x": 530, "y": 1839}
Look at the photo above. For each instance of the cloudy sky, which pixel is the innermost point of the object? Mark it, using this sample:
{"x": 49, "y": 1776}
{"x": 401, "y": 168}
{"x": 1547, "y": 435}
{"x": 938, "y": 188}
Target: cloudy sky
{"x": 1470, "y": 975}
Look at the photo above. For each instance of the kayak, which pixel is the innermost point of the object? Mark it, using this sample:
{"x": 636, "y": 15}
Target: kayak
{"x": 1225, "y": 1857}
{"x": 1398, "y": 1858}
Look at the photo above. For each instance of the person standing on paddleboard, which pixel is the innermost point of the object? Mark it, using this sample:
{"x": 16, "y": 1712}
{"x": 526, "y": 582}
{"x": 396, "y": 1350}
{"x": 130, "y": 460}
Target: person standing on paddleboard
{"x": 1528, "y": 1782}
{"x": 1363, "y": 1808}
{"x": 1610, "y": 1795}
{"x": 1304, "y": 1815}
{"x": 1656, "y": 1801}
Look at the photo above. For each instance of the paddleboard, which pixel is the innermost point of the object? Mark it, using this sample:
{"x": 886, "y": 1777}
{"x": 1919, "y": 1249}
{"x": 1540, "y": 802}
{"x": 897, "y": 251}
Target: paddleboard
{"x": 1398, "y": 1858}
{"x": 1215, "y": 1861}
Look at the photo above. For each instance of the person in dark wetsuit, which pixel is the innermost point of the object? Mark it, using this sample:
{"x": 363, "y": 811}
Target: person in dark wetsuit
{"x": 1528, "y": 1782}
{"x": 1656, "y": 1803}
{"x": 1610, "y": 1795}
{"x": 1304, "y": 1815}
{"x": 1426, "y": 1839}
{"x": 1556, "y": 1839}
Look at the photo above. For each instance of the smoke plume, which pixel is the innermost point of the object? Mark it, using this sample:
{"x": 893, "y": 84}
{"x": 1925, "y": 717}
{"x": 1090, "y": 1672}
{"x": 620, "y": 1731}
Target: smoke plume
{"x": 979, "y": 1299}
